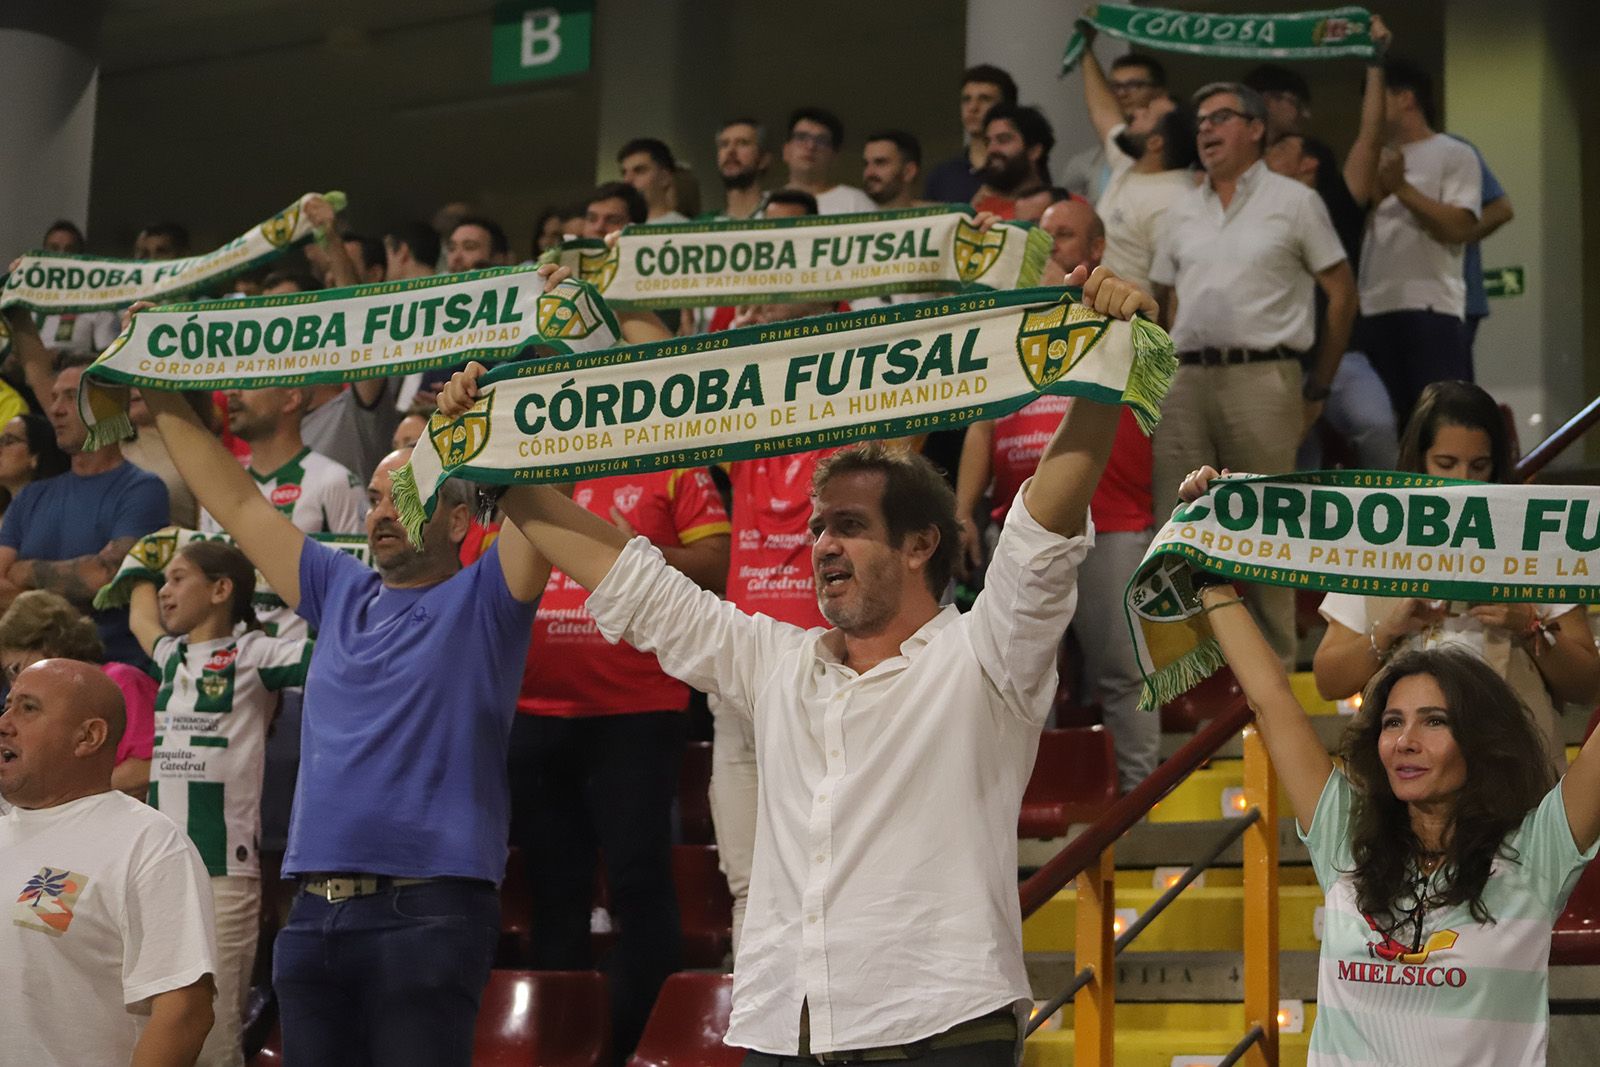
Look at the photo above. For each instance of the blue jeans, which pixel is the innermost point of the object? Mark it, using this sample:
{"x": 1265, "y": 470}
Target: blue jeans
{"x": 390, "y": 979}
{"x": 1358, "y": 409}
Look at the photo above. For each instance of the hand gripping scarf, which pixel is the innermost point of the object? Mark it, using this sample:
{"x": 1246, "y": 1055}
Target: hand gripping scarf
{"x": 1372, "y": 533}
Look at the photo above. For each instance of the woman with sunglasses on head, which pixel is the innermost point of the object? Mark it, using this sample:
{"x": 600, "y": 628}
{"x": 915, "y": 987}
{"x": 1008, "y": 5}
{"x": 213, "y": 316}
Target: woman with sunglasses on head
{"x": 1544, "y": 651}
{"x": 1445, "y": 854}
{"x": 28, "y": 453}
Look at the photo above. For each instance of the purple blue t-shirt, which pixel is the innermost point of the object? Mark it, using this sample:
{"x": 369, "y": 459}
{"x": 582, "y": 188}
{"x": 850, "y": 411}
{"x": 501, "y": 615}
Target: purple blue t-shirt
{"x": 74, "y": 515}
{"x": 408, "y": 710}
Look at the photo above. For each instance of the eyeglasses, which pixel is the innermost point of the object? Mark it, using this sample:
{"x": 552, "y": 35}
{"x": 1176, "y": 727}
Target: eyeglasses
{"x": 1131, "y": 84}
{"x": 819, "y": 140}
{"x": 1217, "y": 117}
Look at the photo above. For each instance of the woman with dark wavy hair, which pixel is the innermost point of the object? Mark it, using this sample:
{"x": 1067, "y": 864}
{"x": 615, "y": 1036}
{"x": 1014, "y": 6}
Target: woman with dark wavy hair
{"x": 1545, "y": 651}
{"x": 1445, "y": 853}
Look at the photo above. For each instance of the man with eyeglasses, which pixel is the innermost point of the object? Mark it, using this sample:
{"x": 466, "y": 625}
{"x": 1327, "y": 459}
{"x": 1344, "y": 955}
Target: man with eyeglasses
{"x": 1235, "y": 272}
{"x": 815, "y": 136}
{"x": 1137, "y": 81}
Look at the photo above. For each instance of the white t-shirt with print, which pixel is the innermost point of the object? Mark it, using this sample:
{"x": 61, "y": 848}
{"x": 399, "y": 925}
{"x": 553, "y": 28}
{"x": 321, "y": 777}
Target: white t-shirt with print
{"x": 1402, "y": 267}
{"x": 844, "y": 200}
{"x": 1450, "y": 991}
{"x": 212, "y": 710}
{"x": 110, "y": 906}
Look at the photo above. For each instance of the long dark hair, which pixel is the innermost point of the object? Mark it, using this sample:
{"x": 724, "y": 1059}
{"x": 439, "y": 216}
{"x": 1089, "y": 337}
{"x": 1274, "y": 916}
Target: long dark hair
{"x": 1507, "y": 776}
{"x": 1455, "y": 404}
{"x": 218, "y": 560}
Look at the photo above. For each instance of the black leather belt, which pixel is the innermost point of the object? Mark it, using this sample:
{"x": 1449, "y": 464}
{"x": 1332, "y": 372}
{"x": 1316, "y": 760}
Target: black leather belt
{"x": 1222, "y": 357}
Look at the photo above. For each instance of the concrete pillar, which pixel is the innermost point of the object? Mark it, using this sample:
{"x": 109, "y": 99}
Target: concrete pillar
{"x": 1510, "y": 88}
{"x": 48, "y": 80}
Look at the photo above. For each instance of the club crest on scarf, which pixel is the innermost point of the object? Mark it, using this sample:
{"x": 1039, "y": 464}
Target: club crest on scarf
{"x": 156, "y": 550}
{"x": 457, "y": 441}
{"x": 279, "y": 229}
{"x": 598, "y": 268}
{"x": 568, "y": 311}
{"x": 1052, "y": 341}
{"x": 977, "y": 251}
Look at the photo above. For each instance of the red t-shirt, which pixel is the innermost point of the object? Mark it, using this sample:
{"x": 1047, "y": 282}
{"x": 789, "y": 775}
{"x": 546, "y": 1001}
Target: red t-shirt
{"x": 572, "y": 671}
{"x": 770, "y": 564}
{"x": 1121, "y": 503}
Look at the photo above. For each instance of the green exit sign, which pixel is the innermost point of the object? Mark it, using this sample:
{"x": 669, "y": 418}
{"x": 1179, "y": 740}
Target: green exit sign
{"x": 538, "y": 39}
{"x": 1504, "y": 281}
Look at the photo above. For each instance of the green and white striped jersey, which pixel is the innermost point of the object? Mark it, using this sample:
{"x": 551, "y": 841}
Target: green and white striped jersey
{"x": 212, "y": 711}
{"x": 1435, "y": 987}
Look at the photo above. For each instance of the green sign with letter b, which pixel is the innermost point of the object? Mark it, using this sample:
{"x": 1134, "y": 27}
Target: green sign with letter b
{"x": 538, "y": 39}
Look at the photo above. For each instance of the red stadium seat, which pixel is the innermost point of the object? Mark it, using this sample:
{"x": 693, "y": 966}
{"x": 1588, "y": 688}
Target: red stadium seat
{"x": 516, "y": 913}
{"x": 1576, "y": 938}
{"x": 705, "y": 908}
{"x": 552, "y": 1018}
{"x": 694, "y": 794}
{"x": 271, "y": 1054}
{"x": 1212, "y": 697}
{"x": 1074, "y": 780}
{"x": 687, "y": 1024}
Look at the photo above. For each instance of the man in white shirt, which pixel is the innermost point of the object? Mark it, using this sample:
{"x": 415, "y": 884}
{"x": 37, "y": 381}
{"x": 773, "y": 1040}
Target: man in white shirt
{"x": 815, "y": 137}
{"x": 109, "y": 953}
{"x": 1137, "y": 80}
{"x": 1149, "y": 151}
{"x": 1235, "y": 270}
{"x": 648, "y": 165}
{"x": 892, "y": 750}
{"x": 1413, "y": 294}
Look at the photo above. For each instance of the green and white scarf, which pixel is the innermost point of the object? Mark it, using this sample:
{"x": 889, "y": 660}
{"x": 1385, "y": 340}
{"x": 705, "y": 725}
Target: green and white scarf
{"x": 1330, "y": 34}
{"x": 1370, "y": 533}
{"x": 787, "y": 387}
{"x": 53, "y": 282}
{"x": 801, "y": 260}
{"x": 340, "y": 335}
{"x": 147, "y": 560}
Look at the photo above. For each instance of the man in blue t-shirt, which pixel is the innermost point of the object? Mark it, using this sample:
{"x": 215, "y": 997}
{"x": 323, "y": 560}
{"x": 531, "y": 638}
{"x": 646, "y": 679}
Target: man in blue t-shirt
{"x": 402, "y": 809}
{"x": 69, "y": 534}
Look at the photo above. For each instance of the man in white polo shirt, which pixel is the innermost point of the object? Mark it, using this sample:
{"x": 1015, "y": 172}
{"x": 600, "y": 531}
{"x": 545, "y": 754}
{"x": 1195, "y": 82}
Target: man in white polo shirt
{"x": 1413, "y": 295}
{"x": 1235, "y": 271}
{"x": 109, "y": 953}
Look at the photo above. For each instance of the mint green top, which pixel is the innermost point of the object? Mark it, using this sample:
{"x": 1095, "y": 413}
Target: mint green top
{"x": 1470, "y": 992}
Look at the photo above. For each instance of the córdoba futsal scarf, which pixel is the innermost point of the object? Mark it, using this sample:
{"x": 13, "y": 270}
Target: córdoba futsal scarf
{"x": 786, "y": 387}
{"x": 53, "y": 282}
{"x": 799, "y": 260}
{"x": 1330, "y": 34}
{"x": 340, "y": 335}
{"x": 1372, "y": 533}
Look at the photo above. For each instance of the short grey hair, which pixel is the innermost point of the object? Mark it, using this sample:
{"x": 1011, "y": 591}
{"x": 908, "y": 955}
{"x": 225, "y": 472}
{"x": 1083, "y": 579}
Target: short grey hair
{"x": 1250, "y": 101}
{"x": 458, "y": 492}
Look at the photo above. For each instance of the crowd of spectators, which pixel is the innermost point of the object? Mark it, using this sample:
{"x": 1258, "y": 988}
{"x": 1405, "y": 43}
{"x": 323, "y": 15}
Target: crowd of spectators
{"x": 1315, "y": 301}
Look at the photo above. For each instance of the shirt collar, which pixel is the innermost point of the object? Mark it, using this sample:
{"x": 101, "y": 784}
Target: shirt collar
{"x": 830, "y": 645}
{"x": 1247, "y": 181}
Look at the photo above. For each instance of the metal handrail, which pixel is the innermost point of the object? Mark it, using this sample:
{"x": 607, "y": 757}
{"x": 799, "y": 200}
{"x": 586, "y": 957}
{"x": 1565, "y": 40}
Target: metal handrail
{"x": 1253, "y": 1035}
{"x": 1552, "y": 446}
{"x": 1122, "y": 816}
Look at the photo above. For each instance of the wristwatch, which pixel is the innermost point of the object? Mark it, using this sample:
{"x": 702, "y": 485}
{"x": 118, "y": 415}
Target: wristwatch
{"x": 1313, "y": 393}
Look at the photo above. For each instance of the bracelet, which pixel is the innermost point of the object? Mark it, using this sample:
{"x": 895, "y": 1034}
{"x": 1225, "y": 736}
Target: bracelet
{"x": 1378, "y": 654}
{"x": 1209, "y": 608}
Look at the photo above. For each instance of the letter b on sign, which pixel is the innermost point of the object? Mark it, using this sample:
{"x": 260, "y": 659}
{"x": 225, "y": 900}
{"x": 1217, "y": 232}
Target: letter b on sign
{"x": 538, "y": 39}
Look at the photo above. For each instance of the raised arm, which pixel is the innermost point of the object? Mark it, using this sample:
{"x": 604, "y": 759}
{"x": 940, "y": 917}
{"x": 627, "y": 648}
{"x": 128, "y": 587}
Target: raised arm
{"x": 1058, "y": 494}
{"x": 1104, "y": 111}
{"x": 1580, "y": 794}
{"x": 144, "y": 616}
{"x": 28, "y": 349}
{"x": 1361, "y": 163}
{"x": 973, "y": 475}
{"x": 1303, "y": 764}
{"x": 524, "y": 566}
{"x": 226, "y": 490}
{"x": 341, "y": 268}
